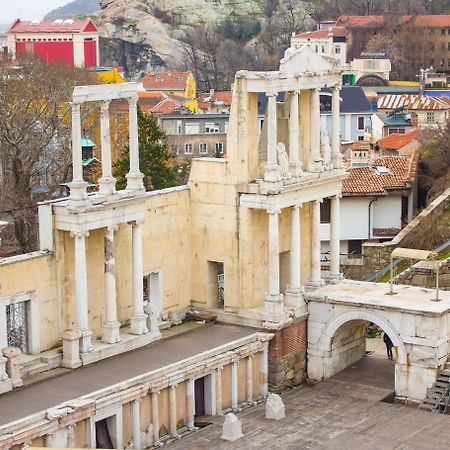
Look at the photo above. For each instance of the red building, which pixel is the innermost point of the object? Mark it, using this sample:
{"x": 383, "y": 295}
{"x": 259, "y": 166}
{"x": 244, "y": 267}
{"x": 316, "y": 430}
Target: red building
{"x": 74, "y": 42}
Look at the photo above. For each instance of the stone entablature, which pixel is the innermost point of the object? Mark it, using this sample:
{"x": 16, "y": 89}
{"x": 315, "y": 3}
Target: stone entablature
{"x": 84, "y": 412}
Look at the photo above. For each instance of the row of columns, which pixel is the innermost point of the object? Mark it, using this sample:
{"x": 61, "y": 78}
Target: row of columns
{"x": 111, "y": 334}
{"x": 78, "y": 187}
{"x": 293, "y": 295}
{"x": 316, "y": 160}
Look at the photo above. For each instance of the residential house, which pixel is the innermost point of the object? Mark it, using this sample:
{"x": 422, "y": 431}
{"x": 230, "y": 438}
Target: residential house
{"x": 399, "y": 144}
{"x": 215, "y": 102}
{"x": 394, "y": 122}
{"x": 379, "y": 198}
{"x": 182, "y": 84}
{"x": 74, "y": 42}
{"x": 430, "y": 112}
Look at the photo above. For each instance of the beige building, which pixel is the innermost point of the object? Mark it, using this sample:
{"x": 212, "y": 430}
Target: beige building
{"x": 240, "y": 241}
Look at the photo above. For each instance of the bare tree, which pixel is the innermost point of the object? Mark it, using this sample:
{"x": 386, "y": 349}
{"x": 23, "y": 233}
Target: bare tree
{"x": 34, "y": 137}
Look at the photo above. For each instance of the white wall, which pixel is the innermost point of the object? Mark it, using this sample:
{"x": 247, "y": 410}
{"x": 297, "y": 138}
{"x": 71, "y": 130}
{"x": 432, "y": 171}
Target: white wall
{"x": 354, "y": 217}
{"x": 387, "y": 212}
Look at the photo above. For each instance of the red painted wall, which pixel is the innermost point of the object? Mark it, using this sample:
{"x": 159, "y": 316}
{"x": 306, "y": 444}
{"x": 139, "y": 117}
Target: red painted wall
{"x": 90, "y": 54}
{"x": 20, "y": 47}
{"x": 55, "y": 51}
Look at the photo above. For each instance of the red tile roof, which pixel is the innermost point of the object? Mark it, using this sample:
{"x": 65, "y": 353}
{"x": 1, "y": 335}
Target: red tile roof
{"x": 166, "y": 80}
{"x": 364, "y": 181}
{"x": 412, "y": 102}
{"x": 378, "y": 21}
{"x": 396, "y": 141}
{"x": 48, "y": 26}
{"x": 321, "y": 34}
{"x": 217, "y": 96}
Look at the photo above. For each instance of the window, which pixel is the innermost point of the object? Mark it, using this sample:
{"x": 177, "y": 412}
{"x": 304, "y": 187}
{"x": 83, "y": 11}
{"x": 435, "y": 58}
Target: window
{"x": 443, "y": 32}
{"x": 159, "y": 79}
{"x": 448, "y": 31}
{"x": 396, "y": 131}
{"x": 192, "y": 128}
{"x": 337, "y": 50}
{"x": 361, "y": 123}
{"x": 325, "y": 212}
{"x": 316, "y": 48}
{"x": 448, "y": 45}
{"x": 179, "y": 78}
{"x": 430, "y": 117}
{"x": 219, "y": 147}
{"x": 360, "y": 138}
{"x": 203, "y": 148}
{"x": 355, "y": 248}
{"x": 323, "y": 49}
{"x": 188, "y": 149}
{"x": 17, "y": 325}
{"x": 211, "y": 127}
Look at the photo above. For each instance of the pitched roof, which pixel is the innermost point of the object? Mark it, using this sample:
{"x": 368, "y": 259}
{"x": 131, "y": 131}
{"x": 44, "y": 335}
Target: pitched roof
{"x": 353, "y": 100}
{"x": 398, "y": 119}
{"x": 368, "y": 181}
{"x": 425, "y": 20}
{"x": 412, "y": 102}
{"x": 396, "y": 141}
{"x": 321, "y": 34}
{"x": 165, "y": 80}
{"x": 49, "y": 26}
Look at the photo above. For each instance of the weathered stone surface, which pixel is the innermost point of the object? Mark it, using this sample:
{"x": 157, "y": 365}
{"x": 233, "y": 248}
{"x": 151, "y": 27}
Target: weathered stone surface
{"x": 232, "y": 428}
{"x": 13, "y": 366}
{"x": 275, "y": 407}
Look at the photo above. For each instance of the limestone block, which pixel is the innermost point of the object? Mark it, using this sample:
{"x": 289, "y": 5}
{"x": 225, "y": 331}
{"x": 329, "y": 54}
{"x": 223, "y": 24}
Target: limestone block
{"x": 275, "y": 407}
{"x": 13, "y": 365}
{"x": 232, "y": 428}
{"x": 71, "y": 349}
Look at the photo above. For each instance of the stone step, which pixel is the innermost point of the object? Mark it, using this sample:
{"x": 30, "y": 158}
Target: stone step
{"x": 443, "y": 379}
{"x": 445, "y": 372}
{"x": 33, "y": 370}
{"x": 29, "y": 361}
{"x": 426, "y": 406}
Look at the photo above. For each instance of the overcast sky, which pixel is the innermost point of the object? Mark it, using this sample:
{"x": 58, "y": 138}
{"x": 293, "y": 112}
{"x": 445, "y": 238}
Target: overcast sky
{"x": 27, "y": 9}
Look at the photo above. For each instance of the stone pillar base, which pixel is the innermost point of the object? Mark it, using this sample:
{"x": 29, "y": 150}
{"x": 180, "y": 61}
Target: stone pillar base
{"x": 138, "y": 324}
{"x": 294, "y": 299}
{"x": 334, "y": 278}
{"x": 78, "y": 193}
{"x": 71, "y": 349}
{"x": 107, "y": 185}
{"x": 295, "y": 169}
{"x": 13, "y": 366}
{"x": 134, "y": 182}
{"x": 312, "y": 285}
{"x": 336, "y": 161}
{"x": 111, "y": 333}
{"x": 272, "y": 174}
{"x": 86, "y": 341}
{"x": 315, "y": 166}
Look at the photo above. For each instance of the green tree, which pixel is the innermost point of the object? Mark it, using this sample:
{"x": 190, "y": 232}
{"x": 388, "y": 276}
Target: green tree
{"x": 155, "y": 160}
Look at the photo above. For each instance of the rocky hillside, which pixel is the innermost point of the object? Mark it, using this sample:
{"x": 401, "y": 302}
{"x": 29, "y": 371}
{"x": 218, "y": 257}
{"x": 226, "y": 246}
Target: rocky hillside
{"x": 74, "y": 8}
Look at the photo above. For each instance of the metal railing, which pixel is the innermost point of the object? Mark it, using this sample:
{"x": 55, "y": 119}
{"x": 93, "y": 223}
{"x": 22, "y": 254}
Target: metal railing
{"x": 436, "y": 407}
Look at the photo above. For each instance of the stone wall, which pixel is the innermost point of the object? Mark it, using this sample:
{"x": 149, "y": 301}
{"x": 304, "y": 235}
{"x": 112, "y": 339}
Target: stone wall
{"x": 287, "y": 357}
{"x": 423, "y": 274}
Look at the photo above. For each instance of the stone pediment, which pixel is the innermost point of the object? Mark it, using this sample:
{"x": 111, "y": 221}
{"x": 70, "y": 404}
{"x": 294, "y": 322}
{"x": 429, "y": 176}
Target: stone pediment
{"x": 303, "y": 60}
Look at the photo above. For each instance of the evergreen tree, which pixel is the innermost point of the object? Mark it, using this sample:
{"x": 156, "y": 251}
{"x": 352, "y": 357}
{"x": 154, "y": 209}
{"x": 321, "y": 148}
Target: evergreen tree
{"x": 156, "y": 161}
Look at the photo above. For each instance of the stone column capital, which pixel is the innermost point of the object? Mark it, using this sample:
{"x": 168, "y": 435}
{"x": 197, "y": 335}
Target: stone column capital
{"x": 135, "y": 223}
{"x": 316, "y": 90}
{"x": 79, "y": 234}
{"x": 132, "y": 101}
{"x": 272, "y": 94}
{"x": 273, "y": 211}
{"x": 296, "y": 92}
{"x": 75, "y": 107}
{"x": 104, "y": 106}
{"x": 112, "y": 228}
{"x": 154, "y": 391}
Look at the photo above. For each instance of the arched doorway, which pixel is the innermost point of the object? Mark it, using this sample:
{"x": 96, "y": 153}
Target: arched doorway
{"x": 343, "y": 342}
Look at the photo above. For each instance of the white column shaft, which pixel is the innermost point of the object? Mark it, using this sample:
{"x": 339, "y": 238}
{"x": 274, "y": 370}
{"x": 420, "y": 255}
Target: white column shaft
{"x": 272, "y": 132}
{"x": 190, "y": 403}
{"x": 234, "y": 386}
{"x": 76, "y": 143}
{"x": 295, "y": 254}
{"x": 155, "y": 417}
{"x": 219, "y": 406}
{"x": 294, "y": 137}
{"x": 336, "y": 144}
{"x": 264, "y": 369}
{"x": 250, "y": 379}
{"x": 81, "y": 291}
{"x": 315, "y": 244}
{"x": 335, "y": 237}
{"x": 315, "y": 125}
{"x": 136, "y": 419}
{"x": 133, "y": 136}
{"x": 173, "y": 410}
{"x": 110, "y": 277}
{"x": 105, "y": 140}
{"x": 274, "y": 256}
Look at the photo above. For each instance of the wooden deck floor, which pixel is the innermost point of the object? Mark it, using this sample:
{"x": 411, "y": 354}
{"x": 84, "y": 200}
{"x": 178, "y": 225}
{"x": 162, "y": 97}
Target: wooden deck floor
{"x": 344, "y": 412}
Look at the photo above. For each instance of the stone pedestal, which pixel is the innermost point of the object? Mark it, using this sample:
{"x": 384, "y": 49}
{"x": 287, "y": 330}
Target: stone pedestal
{"x": 5, "y": 382}
{"x": 275, "y": 407}
{"x": 86, "y": 341}
{"x": 13, "y": 365}
{"x": 232, "y": 428}
{"x": 71, "y": 349}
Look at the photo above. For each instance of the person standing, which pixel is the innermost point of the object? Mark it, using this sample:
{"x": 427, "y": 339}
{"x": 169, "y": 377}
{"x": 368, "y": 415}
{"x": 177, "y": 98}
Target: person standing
{"x": 389, "y": 345}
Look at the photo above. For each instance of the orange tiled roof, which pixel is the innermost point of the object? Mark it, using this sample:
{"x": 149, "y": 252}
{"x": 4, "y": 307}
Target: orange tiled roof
{"x": 425, "y": 20}
{"x": 368, "y": 181}
{"x": 165, "y": 80}
{"x": 217, "y": 96}
{"x": 321, "y": 34}
{"x": 412, "y": 102}
{"x": 396, "y": 141}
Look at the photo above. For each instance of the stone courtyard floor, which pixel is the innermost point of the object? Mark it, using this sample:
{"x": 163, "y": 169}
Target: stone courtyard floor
{"x": 344, "y": 412}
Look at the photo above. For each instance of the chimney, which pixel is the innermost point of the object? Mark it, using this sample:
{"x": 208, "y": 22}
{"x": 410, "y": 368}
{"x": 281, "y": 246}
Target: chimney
{"x": 360, "y": 155}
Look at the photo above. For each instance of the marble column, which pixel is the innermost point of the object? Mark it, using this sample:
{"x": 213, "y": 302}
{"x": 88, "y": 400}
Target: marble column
{"x": 173, "y": 410}
{"x": 106, "y": 183}
{"x": 316, "y": 279}
{"x": 234, "y": 386}
{"x": 136, "y": 419}
{"x": 315, "y": 160}
{"x": 336, "y": 156}
{"x": 264, "y": 369}
{"x": 78, "y": 187}
{"x": 190, "y": 404}
{"x": 111, "y": 326}
{"x": 273, "y": 303}
{"x": 155, "y": 417}
{"x": 138, "y": 317}
{"x": 219, "y": 405}
{"x": 81, "y": 292}
{"x": 249, "y": 376}
{"x": 294, "y": 136}
{"x": 335, "y": 243}
{"x": 134, "y": 176}
{"x": 272, "y": 172}
{"x": 91, "y": 436}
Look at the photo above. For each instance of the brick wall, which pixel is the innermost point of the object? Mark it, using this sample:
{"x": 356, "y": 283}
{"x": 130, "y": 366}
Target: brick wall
{"x": 288, "y": 340}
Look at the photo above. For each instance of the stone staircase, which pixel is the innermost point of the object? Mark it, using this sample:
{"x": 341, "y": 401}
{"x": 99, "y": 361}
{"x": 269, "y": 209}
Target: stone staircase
{"x": 435, "y": 399}
{"x": 34, "y": 364}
